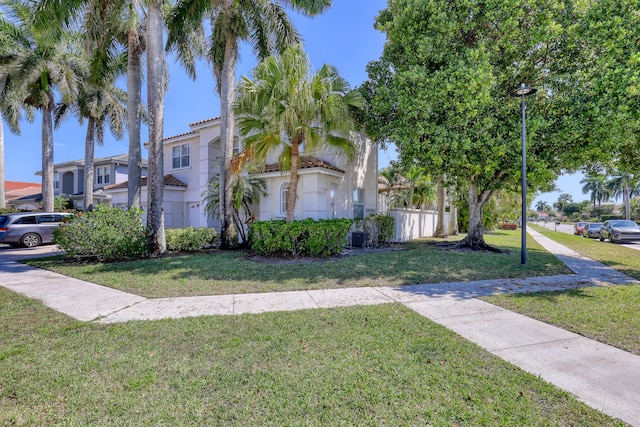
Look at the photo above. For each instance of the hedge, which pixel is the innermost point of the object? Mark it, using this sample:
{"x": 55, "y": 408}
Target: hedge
{"x": 316, "y": 238}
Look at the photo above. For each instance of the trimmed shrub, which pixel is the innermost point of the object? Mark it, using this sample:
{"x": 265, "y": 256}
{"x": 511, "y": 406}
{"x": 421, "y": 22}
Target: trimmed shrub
{"x": 190, "y": 239}
{"x": 508, "y": 226}
{"x": 308, "y": 237}
{"x": 380, "y": 228}
{"x": 108, "y": 234}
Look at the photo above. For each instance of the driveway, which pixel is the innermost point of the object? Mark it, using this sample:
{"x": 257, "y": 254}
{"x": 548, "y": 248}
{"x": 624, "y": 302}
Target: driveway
{"x": 9, "y": 253}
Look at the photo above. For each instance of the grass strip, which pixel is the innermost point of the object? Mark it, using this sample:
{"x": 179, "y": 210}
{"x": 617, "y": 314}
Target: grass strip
{"x": 378, "y": 365}
{"x": 607, "y": 314}
{"x": 221, "y": 273}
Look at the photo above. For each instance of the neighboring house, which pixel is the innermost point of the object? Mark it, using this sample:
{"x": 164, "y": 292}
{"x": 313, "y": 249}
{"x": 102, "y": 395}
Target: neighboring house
{"x": 329, "y": 185}
{"x": 24, "y": 196}
{"x": 69, "y": 177}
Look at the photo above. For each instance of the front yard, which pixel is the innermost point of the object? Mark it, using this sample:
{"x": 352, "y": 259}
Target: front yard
{"x": 220, "y": 273}
{"x": 378, "y": 365}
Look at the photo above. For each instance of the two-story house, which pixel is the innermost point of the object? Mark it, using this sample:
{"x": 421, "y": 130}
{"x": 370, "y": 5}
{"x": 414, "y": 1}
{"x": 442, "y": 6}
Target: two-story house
{"x": 69, "y": 177}
{"x": 329, "y": 186}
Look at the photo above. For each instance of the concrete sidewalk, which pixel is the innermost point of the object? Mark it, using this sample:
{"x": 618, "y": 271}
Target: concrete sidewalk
{"x": 604, "y": 377}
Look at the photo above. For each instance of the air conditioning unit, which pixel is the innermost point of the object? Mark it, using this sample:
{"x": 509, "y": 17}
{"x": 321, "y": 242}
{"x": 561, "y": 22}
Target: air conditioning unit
{"x": 358, "y": 238}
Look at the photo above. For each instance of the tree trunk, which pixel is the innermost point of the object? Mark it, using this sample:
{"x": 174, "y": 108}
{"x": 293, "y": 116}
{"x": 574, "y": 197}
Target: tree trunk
{"x": 3, "y": 199}
{"x": 47, "y": 158}
{"x": 453, "y": 221}
{"x": 442, "y": 196}
{"x": 626, "y": 199}
{"x": 475, "y": 236}
{"x": 293, "y": 181}
{"x": 89, "y": 149}
{"x": 155, "y": 101}
{"x": 227, "y": 83}
{"x": 134, "y": 96}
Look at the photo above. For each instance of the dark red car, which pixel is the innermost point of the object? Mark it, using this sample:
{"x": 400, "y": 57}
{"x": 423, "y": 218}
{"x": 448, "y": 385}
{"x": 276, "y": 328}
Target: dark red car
{"x": 579, "y": 228}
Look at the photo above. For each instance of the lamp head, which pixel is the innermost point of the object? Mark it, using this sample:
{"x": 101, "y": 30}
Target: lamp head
{"x": 523, "y": 90}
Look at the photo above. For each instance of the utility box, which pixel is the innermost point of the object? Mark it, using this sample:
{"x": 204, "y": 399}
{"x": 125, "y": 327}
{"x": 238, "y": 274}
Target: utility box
{"x": 358, "y": 238}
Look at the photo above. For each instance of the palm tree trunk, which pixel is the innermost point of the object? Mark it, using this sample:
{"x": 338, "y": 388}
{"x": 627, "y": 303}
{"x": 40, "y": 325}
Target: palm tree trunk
{"x": 3, "y": 199}
{"x": 293, "y": 181}
{"x": 442, "y": 195}
{"x": 453, "y": 220}
{"x": 227, "y": 83}
{"x": 627, "y": 201}
{"x": 134, "y": 96}
{"x": 89, "y": 149}
{"x": 47, "y": 158}
{"x": 155, "y": 101}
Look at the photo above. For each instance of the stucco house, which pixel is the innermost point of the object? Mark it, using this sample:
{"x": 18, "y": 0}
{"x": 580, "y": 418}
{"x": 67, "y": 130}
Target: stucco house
{"x": 329, "y": 185}
{"x": 68, "y": 177}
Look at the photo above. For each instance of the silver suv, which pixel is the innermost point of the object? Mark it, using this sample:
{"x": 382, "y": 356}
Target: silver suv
{"x": 29, "y": 229}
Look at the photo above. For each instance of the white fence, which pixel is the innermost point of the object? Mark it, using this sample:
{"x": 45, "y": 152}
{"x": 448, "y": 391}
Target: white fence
{"x": 412, "y": 223}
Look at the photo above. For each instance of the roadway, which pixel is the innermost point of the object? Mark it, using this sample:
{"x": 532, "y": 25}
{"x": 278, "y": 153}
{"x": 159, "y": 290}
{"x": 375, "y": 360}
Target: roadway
{"x": 568, "y": 228}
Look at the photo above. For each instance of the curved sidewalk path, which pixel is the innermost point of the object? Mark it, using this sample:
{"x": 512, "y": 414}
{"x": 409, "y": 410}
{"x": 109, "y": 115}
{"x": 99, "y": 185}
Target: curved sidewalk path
{"x": 602, "y": 376}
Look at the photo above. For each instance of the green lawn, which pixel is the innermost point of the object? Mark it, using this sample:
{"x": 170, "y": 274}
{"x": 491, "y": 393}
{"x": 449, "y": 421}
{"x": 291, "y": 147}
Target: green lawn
{"x": 378, "y": 365}
{"x": 607, "y": 314}
{"x": 232, "y": 272}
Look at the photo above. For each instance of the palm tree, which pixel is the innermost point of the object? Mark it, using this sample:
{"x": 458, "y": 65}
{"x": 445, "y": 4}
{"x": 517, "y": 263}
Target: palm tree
{"x": 542, "y": 206}
{"x": 416, "y": 177}
{"x": 42, "y": 61}
{"x": 266, "y": 25}
{"x": 624, "y": 184}
{"x": 102, "y": 103}
{"x": 441, "y": 191}
{"x": 285, "y": 108}
{"x": 11, "y": 109}
{"x": 246, "y": 191}
{"x": 107, "y": 25}
{"x": 596, "y": 184}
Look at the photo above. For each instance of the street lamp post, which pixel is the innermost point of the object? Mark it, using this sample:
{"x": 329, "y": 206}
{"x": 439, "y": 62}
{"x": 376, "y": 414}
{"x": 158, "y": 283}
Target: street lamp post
{"x": 523, "y": 91}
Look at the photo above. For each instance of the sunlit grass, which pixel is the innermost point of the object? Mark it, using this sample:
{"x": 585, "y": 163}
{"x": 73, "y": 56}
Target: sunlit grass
{"x": 234, "y": 272}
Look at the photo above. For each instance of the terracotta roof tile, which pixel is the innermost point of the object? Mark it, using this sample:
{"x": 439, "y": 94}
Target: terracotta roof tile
{"x": 306, "y": 162}
{"x": 204, "y": 121}
{"x": 169, "y": 181}
{"x": 18, "y": 185}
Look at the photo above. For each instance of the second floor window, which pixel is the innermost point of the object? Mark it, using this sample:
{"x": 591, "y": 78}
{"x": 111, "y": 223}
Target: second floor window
{"x": 180, "y": 156}
{"x": 56, "y": 181}
{"x": 103, "y": 175}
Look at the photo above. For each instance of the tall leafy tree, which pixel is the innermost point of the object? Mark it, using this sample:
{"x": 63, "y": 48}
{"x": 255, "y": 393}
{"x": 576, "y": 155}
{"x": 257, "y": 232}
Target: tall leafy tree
{"x": 285, "y": 109}
{"x": 42, "y": 63}
{"x": 440, "y": 92}
{"x": 266, "y": 26}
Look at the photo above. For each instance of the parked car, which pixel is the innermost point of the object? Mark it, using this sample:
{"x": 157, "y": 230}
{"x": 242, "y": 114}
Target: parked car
{"x": 579, "y": 227}
{"x": 592, "y": 230}
{"x": 619, "y": 230}
{"x": 29, "y": 229}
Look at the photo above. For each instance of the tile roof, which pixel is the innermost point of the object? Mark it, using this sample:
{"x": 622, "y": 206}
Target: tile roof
{"x": 169, "y": 181}
{"x": 18, "y": 185}
{"x": 306, "y": 162}
{"x": 204, "y": 121}
{"x": 175, "y": 136}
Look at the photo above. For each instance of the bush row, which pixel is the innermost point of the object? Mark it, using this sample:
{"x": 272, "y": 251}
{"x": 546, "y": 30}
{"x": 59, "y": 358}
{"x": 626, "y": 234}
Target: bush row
{"x": 308, "y": 237}
{"x": 107, "y": 234}
{"x": 190, "y": 239}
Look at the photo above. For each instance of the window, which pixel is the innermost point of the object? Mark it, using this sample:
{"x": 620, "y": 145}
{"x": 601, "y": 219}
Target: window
{"x": 358, "y": 203}
{"x": 103, "y": 175}
{"x": 332, "y": 201}
{"x": 284, "y": 194}
{"x": 56, "y": 181}
{"x": 27, "y": 220}
{"x": 180, "y": 156}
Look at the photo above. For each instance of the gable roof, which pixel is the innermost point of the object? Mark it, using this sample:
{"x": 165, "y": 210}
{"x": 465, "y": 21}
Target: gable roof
{"x": 306, "y": 162}
{"x": 19, "y": 185}
{"x": 169, "y": 181}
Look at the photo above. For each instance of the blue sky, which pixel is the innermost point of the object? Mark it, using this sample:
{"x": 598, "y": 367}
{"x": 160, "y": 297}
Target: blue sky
{"x": 343, "y": 37}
